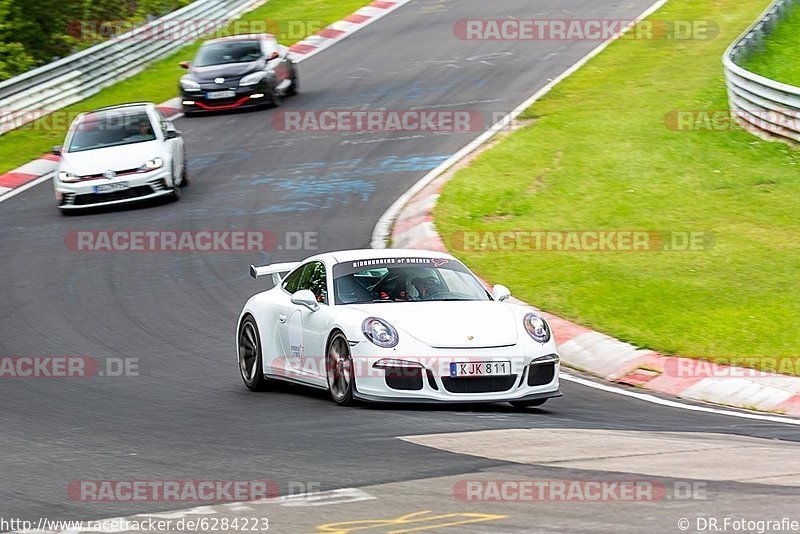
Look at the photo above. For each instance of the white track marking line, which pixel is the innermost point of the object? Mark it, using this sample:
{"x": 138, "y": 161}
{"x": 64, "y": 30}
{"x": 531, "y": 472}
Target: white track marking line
{"x": 673, "y": 404}
{"x": 17, "y": 190}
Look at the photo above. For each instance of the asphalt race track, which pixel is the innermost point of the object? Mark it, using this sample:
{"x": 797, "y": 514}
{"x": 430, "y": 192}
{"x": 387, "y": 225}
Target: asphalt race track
{"x": 187, "y": 415}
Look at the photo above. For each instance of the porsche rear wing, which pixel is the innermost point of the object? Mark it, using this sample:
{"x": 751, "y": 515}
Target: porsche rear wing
{"x": 276, "y": 270}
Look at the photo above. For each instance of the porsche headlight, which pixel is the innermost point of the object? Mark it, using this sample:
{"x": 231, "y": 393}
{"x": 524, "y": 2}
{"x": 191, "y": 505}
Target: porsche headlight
{"x": 536, "y": 327}
{"x": 252, "y": 79}
{"x": 67, "y": 177}
{"x": 153, "y": 164}
{"x": 380, "y": 332}
{"x": 188, "y": 84}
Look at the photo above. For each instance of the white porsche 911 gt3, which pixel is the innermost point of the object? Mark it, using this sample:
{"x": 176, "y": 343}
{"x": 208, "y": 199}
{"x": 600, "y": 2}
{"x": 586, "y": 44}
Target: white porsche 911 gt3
{"x": 394, "y": 325}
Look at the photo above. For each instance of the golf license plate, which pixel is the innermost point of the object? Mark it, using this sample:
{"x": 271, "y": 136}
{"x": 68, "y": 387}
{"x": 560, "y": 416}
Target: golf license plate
{"x": 469, "y": 369}
{"x": 215, "y": 95}
{"x": 110, "y": 188}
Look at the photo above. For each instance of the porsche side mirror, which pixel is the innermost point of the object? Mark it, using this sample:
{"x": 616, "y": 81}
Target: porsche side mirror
{"x": 306, "y": 298}
{"x": 274, "y": 55}
{"x": 56, "y": 150}
{"x": 184, "y": 64}
{"x": 501, "y": 293}
{"x": 172, "y": 134}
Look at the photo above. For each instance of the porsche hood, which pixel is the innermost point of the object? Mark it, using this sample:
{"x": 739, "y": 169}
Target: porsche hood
{"x": 450, "y": 325}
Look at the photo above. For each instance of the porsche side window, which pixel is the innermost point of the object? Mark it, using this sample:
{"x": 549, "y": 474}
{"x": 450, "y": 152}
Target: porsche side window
{"x": 292, "y": 282}
{"x": 315, "y": 280}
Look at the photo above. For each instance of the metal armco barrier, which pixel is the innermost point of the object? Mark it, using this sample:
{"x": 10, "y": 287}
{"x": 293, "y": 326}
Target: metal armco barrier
{"x": 69, "y": 80}
{"x": 765, "y": 107}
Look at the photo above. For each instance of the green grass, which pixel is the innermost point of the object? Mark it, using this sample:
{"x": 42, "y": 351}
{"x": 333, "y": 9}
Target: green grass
{"x": 599, "y": 156}
{"x": 779, "y": 59}
{"x": 160, "y": 81}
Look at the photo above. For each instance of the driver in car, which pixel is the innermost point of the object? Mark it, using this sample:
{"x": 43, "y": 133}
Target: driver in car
{"x": 143, "y": 132}
{"x": 426, "y": 286}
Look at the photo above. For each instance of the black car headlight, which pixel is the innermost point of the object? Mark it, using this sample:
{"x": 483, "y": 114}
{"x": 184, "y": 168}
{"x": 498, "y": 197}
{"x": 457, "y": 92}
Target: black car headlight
{"x": 536, "y": 327}
{"x": 252, "y": 79}
{"x": 188, "y": 84}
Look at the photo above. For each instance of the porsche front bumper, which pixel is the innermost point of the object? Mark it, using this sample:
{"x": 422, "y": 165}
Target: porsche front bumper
{"x": 428, "y": 378}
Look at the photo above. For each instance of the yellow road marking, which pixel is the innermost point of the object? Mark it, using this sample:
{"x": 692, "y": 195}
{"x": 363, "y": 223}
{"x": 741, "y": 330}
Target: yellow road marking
{"x": 463, "y": 518}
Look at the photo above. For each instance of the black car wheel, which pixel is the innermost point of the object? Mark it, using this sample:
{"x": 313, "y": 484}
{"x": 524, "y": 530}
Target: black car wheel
{"x": 339, "y": 370}
{"x": 274, "y": 98}
{"x": 294, "y": 89}
{"x": 250, "y": 366}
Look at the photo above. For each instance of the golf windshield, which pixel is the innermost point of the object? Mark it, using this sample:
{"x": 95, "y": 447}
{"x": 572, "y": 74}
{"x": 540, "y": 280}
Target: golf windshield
{"x": 228, "y": 52}
{"x": 103, "y": 129}
{"x": 405, "y": 280}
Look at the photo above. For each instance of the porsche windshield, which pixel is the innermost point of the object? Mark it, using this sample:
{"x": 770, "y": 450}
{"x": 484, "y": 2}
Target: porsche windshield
{"x": 111, "y": 128}
{"x": 405, "y": 280}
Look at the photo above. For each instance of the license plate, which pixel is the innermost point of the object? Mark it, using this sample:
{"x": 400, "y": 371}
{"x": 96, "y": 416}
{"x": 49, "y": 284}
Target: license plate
{"x": 110, "y": 188}
{"x": 462, "y": 369}
{"x": 214, "y": 95}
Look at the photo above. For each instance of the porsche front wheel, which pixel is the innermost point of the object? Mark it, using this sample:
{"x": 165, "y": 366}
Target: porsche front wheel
{"x": 339, "y": 369}
{"x": 250, "y": 366}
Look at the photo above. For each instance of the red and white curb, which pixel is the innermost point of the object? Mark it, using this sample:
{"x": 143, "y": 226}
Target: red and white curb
{"x": 344, "y": 28}
{"x": 39, "y": 170}
{"x": 408, "y": 223}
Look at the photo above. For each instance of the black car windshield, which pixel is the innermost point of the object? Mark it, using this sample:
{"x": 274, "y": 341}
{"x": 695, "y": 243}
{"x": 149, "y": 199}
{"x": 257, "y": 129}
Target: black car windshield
{"x": 102, "y": 129}
{"x": 405, "y": 280}
{"x": 228, "y": 52}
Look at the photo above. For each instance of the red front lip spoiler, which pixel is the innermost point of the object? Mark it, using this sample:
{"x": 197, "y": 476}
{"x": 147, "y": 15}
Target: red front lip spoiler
{"x": 225, "y": 106}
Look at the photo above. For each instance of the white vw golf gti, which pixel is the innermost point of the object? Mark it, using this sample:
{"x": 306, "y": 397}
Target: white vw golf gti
{"x": 117, "y": 155}
{"x": 394, "y": 325}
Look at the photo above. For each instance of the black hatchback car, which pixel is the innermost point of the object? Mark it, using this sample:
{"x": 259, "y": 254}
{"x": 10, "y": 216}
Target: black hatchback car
{"x": 237, "y": 72}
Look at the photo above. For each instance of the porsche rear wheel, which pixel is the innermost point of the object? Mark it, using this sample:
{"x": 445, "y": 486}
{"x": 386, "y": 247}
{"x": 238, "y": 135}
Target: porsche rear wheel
{"x": 339, "y": 370}
{"x": 250, "y": 365}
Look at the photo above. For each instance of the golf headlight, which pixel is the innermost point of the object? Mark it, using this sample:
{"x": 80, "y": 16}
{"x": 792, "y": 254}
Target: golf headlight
{"x": 153, "y": 164}
{"x": 67, "y": 177}
{"x": 380, "y": 332}
{"x": 252, "y": 79}
{"x": 189, "y": 85}
{"x": 536, "y": 327}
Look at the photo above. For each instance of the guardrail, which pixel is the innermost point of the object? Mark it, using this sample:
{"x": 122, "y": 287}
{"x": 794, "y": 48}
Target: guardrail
{"x": 765, "y": 107}
{"x": 69, "y": 80}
